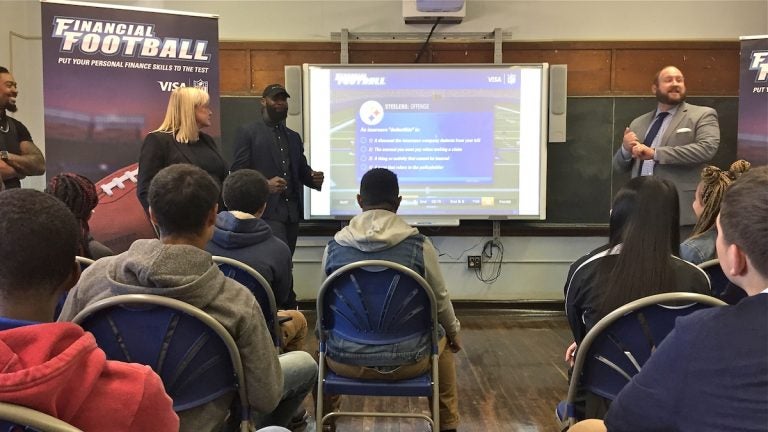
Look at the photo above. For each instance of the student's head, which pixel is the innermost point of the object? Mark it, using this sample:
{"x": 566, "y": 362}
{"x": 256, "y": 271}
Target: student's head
{"x": 656, "y": 215}
{"x": 39, "y": 239}
{"x": 188, "y": 112}
{"x": 183, "y": 200}
{"x": 742, "y": 239}
{"x": 379, "y": 190}
{"x": 246, "y": 190}
{"x": 79, "y": 195}
{"x": 623, "y": 206}
{"x": 710, "y": 192}
{"x": 649, "y": 238}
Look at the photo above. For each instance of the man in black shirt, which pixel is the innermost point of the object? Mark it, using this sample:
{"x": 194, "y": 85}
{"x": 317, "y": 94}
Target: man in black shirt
{"x": 268, "y": 146}
{"x": 19, "y": 157}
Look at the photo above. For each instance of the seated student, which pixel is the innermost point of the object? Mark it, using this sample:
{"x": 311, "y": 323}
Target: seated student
{"x": 700, "y": 246}
{"x": 79, "y": 194}
{"x": 241, "y": 234}
{"x": 56, "y": 368}
{"x": 623, "y": 205}
{"x": 182, "y": 203}
{"x": 379, "y": 233}
{"x": 711, "y": 372}
{"x": 643, "y": 263}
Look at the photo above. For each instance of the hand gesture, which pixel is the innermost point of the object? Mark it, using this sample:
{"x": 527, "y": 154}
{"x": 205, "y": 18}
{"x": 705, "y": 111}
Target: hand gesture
{"x": 630, "y": 140}
{"x": 643, "y": 152}
{"x": 570, "y": 354}
{"x": 317, "y": 179}
{"x": 277, "y": 184}
{"x": 454, "y": 343}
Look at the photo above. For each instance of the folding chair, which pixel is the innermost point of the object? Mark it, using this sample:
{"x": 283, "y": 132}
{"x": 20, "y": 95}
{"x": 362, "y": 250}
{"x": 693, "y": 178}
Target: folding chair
{"x": 84, "y": 263}
{"x": 19, "y": 418}
{"x": 722, "y": 288}
{"x": 194, "y": 355}
{"x": 260, "y": 288}
{"x": 377, "y": 302}
{"x": 617, "y": 347}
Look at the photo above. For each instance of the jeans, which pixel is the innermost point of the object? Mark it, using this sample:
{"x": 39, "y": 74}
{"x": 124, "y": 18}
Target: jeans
{"x": 448, "y": 400}
{"x": 299, "y": 376}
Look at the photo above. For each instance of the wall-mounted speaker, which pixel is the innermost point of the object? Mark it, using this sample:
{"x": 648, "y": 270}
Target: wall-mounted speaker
{"x": 295, "y": 103}
{"x": 558, "y": 102}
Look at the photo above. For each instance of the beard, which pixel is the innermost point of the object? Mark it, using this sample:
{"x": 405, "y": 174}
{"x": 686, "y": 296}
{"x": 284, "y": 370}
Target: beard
{"x": 275, "y": 115}
{"x": 667, "y": 100}
{"x": 10, "y": 107}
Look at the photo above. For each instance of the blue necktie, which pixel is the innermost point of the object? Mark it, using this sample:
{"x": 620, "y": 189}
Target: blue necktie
{"x": 646, "y": 167}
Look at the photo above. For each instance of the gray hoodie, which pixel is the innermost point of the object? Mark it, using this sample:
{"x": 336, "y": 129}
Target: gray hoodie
{"x": 378, "y": 230}
{"x": 188, "y": 274}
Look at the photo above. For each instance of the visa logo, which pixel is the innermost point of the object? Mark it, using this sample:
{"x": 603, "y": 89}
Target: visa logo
{"x": 494, "y": 79}
{"x": 168, "y": 86}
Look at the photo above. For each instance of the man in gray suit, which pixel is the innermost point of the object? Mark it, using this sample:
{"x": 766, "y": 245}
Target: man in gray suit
{"x": 679, "y": 139}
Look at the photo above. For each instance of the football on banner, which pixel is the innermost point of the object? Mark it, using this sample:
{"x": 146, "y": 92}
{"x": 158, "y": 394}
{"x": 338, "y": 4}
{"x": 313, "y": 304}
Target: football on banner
{"x": 119, "y": 218}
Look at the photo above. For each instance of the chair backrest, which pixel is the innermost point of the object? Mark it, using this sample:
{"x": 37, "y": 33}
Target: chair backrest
{"x": 19, "y": 418}
{"x": 617, "y": 346}
{"x": 376, "y": 302}
{"x": 722, "y": 288}
{"x": 83, "y": 261}
{"x": 194, "y": 355}
{"x": 717, "y": 279}
{"x": 255, "y": 282}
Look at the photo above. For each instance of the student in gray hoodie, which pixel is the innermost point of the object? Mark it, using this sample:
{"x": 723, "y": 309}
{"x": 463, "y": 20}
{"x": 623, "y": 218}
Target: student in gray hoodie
{"x": 183, "y": 203}
{"x": 379, "y": 233}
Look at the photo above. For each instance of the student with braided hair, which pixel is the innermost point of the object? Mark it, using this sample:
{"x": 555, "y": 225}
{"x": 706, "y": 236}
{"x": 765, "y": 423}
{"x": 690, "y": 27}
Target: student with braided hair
{"x": 700, "y": 246}
{"x": 79, "y": 195}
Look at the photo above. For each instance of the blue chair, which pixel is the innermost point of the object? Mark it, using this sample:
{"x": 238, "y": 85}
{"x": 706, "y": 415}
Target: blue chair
{"x": 617, "y": 347}
{"x": 260, "y": 288}
{"x": 194, "y": 355}
{"x": 376, "y": 302}
{"x": 722, "y": 288}
{"x": 22, "y": 419}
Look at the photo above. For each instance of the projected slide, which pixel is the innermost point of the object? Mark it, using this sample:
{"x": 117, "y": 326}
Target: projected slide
{"x": 456, "y": 137}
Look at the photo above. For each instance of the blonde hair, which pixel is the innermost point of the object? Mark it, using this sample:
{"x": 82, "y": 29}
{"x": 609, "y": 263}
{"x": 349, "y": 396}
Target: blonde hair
{"x": 180, "y": 116}
{"x": 714, "y": 182}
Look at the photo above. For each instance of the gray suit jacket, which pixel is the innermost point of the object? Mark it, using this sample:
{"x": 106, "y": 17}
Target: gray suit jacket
{"x": 689, "y": 142}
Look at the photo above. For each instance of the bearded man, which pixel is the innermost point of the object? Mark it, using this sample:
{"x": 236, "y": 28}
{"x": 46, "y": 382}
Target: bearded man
{"x": 268, "y": 146}
{"x": 19, "y": 156}
{"x": 674, "y": 141}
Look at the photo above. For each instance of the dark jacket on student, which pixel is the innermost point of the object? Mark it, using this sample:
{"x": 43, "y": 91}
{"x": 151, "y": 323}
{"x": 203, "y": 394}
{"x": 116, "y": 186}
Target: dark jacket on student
{"x": 248, "y": 239}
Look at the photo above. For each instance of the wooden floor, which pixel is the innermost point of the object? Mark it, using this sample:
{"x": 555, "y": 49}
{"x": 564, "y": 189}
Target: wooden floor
{"x": 511, "y": 375}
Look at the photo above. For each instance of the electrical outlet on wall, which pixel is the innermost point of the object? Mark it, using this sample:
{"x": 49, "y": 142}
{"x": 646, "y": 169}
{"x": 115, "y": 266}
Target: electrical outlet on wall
{"x": 473, "y": 261}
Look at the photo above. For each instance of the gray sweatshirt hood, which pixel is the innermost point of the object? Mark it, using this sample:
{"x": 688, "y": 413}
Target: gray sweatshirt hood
{"x": 177, "y": 271}
{"x": 375, "y": 230}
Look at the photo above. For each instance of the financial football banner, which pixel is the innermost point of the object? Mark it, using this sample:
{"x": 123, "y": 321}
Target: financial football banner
{"x": 107, "y": 75}
{"x": 753, "y": 100}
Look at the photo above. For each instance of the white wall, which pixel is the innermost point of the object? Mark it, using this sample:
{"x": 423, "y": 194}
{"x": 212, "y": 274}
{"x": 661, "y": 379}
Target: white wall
{"x": 535, "y": 267}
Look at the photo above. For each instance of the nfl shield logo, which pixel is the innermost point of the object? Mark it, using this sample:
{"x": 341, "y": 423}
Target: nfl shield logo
{"x": 201, "y": 84}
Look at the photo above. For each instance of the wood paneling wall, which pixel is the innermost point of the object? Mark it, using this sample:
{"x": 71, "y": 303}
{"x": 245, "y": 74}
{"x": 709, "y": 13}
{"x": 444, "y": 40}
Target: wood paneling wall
{"x": 594, "y": 68}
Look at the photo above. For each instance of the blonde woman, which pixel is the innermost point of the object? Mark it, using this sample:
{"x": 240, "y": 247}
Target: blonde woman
{"x": 179, "y": 140}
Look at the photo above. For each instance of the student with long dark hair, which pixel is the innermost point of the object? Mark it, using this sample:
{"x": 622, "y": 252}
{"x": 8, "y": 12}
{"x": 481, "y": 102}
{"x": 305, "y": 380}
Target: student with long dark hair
{"x": 643, "y": 263}
{"x": 640, "y": 260}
